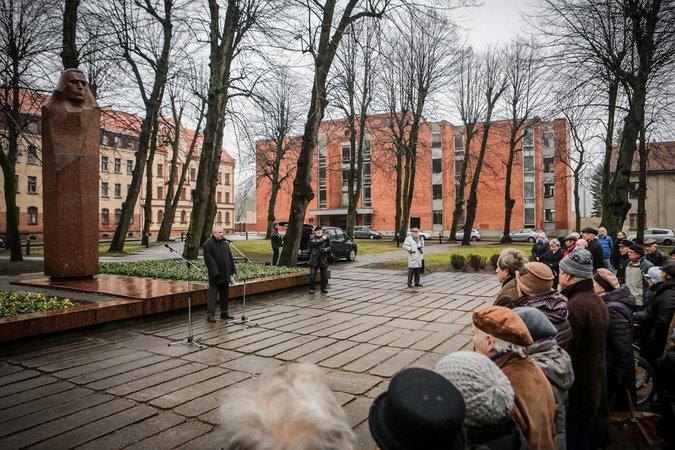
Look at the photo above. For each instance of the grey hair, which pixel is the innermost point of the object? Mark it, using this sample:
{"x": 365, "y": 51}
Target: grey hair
{"x": 287, "y": 407}
{"x": 554, "y": 242}
{"x": 511, "y": 259}
{"x": 502, "y": 346}
{"x": 216, "y": 227}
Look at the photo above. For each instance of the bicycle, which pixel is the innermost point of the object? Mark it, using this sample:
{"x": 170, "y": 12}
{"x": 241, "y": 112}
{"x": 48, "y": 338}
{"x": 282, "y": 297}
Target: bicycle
{"x": 645, "y": 378}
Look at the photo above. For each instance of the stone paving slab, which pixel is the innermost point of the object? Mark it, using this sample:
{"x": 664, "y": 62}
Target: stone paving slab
{"x": 154, "y": 396}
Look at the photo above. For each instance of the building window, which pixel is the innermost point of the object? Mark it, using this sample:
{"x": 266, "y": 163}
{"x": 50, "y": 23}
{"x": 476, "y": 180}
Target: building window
{"x": 32, "y": 215}
{"x": 118, "y": 191}
{"x": 547, "y": 139}
{"x": 183, "y": 216}
{"x": 549, "y": 166}
{"x": 633, "y": 218}
{"x": 227, "y": 179}
{"x": 131, "y": 143}
{"x": 220, "y": 177}
{"x": 219, "y": 197}
{"x": 105, "y": 218}
{"x": 528, "y": 163}
{"x": 549, "y": 190}
{"x": 227, "y": 217}
{"x": 528, "y": 190}
{"x": 160, "y": 170}
{"x": 118, "y": 141}
{"x": 118, "y": 216}
{"x": 160, "y": 216}
{"x": 118, "y": 165}
{"x": 549, "y": 215}
{"x": 130, "y": 166}
{"x": 634, "y": 191}
{"x": 219, "y": 217}
{"x": 104, "y": 189}
{"x": 436, "y": 139}
{"x": 227, "y": 197}
{"x": 32, "y": 185}
{"x": 32, "y": 127}
{"x": 105, "y": 139}
{"x": 104, "y": 163}
{"x": 459, "y": 141}
{"x": 160, "y": 192}
{"x": 438, "y": 217}
{"x": 183, "y": 194}
{"x": 529, "y": 217}
{"x": 32, "y": 154}
{"x": 366, "y": 193}
{"x": 437, "y": 191}
{"x": 528, "y": 137}
{"x": 437, "y": 165}
{"x": 193, "y": 174}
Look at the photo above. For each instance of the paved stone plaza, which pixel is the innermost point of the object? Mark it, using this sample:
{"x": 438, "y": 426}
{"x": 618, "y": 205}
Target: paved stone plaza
{"x": 122, "y": 385}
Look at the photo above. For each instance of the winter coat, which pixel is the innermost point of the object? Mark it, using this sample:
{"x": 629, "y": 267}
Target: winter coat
{"x": 552, "y": 259}
{"x": 414, "y": 258}
{"x": 319, "y": 250}
{"x": 503, "y": 435}
{"x": 569, "y": 250}
{"x": 606, "y": 243}
{"x": 657, "y": 317}
{"x": 554, "y": 305}
{"x": 657, "y": 258}
{"x": 670, "y": 341}
{"x": 621, "y": 268}
{"x": 276, "y": 239}
{"x": 619, "y": 346}
{"x": 636, "y": 281}
{"x": 219, "y": 261}
{"x": 534, "y": 404}
{"x": 539, "y": 248}
{"x": 595, "y": 248}
{"x": 589, "y": 320}
{"x": 615, "y": 256}
{"x": 557, "y": 366}
{"x": 508, "y": 294}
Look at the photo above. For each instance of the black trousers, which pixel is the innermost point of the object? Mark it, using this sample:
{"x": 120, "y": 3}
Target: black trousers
{"x": 324, "y": 277}
{"x": 221, "y": 289}
{"x": 275, "y": 255}
{"x": 414, "y": 272}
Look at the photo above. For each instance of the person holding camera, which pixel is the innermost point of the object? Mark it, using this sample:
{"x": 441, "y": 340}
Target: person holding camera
{"x": 319, "y": 251}
{"x": 414, "y": 245}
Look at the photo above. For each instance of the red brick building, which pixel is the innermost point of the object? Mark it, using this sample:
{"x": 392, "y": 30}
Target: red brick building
{"x": 541, "y": 180}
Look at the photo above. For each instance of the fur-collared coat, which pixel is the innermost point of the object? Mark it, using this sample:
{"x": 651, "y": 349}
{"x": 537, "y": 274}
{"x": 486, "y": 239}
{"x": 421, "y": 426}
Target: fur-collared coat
{"x": 534, "y": 404}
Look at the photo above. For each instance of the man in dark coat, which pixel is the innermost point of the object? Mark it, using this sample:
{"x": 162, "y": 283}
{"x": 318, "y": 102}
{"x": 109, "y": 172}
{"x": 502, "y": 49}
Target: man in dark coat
{"x": 624, "y": 248}
{"x": 594, "y": 247}
{"x": 319, "y": 249}
{"x": 220, "y": 263}
{"x": 616, "y": 255}
{"x": 589, "y": 320}
{"x": 653, "y": 254}
{"x": 275, "y": 237}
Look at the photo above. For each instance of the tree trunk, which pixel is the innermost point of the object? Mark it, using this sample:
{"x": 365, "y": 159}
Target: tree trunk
{"x": 12, "y": 237}
{"x": 642, "y": 189}
{"x": 509, "y": 202}
{"x": 70, "y": 56}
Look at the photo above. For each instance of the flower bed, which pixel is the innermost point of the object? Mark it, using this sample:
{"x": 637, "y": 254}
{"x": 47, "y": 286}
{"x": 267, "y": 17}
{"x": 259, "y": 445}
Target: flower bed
{"x": 14, "y": 303}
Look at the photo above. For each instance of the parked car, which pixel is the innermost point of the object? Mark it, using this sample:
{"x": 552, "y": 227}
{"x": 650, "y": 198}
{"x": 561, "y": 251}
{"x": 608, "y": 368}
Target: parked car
{"x": 660, "y": 235}
{"x": 524, "y": 235}
{"x": 341, "y": 245}
{"x": 475, "y": 235}
{"x": 363, "y": 232}
{"x": 424, "y": 235}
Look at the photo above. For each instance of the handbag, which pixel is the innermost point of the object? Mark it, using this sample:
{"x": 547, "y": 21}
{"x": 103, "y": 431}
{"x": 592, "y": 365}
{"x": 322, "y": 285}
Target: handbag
{"x": 636, "y": 427}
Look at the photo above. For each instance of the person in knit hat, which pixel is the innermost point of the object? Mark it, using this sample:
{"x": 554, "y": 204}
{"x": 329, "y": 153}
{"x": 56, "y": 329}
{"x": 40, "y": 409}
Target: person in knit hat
{"x": 510, "y": 261}
{"x": 500, "y": 334}
{"x": 589, "y": 320}
{"x": 535, "y": 286}
{"x": 619, "y": 362}
{"x": 489, "y": 400}
{"x": 553, "y": 361}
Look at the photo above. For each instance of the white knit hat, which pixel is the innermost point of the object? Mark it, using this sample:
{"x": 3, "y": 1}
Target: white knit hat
{"x": 486, "y": 390}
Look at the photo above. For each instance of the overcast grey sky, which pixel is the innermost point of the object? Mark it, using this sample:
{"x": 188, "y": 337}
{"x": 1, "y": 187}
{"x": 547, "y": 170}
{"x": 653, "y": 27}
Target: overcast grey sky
{"x": 495, "y": 21}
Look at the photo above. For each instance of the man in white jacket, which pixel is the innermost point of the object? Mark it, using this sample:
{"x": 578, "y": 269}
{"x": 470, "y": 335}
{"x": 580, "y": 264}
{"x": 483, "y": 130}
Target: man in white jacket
{"x": 414, "y": 245}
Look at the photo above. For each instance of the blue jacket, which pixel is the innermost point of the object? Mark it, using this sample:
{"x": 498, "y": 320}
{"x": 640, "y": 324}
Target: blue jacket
{"x": 606, "y": 243}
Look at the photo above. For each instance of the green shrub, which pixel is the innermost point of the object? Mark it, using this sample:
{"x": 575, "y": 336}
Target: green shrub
{"x": 493, "y": 260}
{"x": 15, "y": 303}
{"x": 477, "y": 262}
{"x": 458, "y": 262}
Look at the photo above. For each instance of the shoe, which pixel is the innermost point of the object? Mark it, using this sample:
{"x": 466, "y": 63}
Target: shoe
{"x": 324, "y": 291}
{"x": 311, "y": 291}
{"x": 410, "y": 285}
{"x": 226, "y": 316}
{"x": 211, "y": 319}
{"x": 419, "y": 285}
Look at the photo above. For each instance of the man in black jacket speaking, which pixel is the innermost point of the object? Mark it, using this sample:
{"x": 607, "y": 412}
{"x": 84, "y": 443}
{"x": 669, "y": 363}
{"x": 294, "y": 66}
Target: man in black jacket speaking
{"x": 220, "y": 264}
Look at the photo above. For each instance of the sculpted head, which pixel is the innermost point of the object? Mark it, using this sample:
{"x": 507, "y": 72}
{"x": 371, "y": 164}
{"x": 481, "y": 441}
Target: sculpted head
{"x": 74, "y": 88}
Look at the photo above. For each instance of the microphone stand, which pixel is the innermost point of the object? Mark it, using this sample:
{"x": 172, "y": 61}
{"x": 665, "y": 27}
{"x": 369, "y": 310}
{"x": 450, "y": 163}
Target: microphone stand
{"x": 243, "y": 320}
{"x": 190, "y": 339}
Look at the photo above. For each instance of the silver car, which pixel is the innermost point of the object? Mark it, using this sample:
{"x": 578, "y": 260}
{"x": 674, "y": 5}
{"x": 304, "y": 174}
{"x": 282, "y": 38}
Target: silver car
{"x": 366, "y": 233}
{"x": 660, "y": 235}
{"x": 475, "y": 235}
{"x": 524, "y": 235}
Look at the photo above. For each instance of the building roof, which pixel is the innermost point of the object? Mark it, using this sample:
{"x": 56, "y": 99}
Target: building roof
{"x": 661, "y": 158}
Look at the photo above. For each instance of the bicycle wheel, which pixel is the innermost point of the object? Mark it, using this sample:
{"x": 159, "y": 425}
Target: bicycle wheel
{"x": 645, "y": 381}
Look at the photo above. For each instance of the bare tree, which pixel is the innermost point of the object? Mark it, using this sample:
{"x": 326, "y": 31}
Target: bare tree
{"x": 524, "y": 95}
{"x": 493, "y": 86}
{"x": 26, "y": 37}
{"x": 70, "y": 55}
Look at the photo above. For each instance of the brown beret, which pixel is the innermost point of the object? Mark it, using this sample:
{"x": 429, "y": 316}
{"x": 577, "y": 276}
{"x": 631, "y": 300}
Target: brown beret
{"x": 502, "y": 323}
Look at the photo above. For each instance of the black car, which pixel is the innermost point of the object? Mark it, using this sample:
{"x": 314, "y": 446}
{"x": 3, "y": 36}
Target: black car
{"x": 341, "y": 245}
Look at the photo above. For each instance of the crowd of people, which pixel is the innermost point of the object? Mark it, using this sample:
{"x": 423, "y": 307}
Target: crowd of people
{"x": 551, "y": 356}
